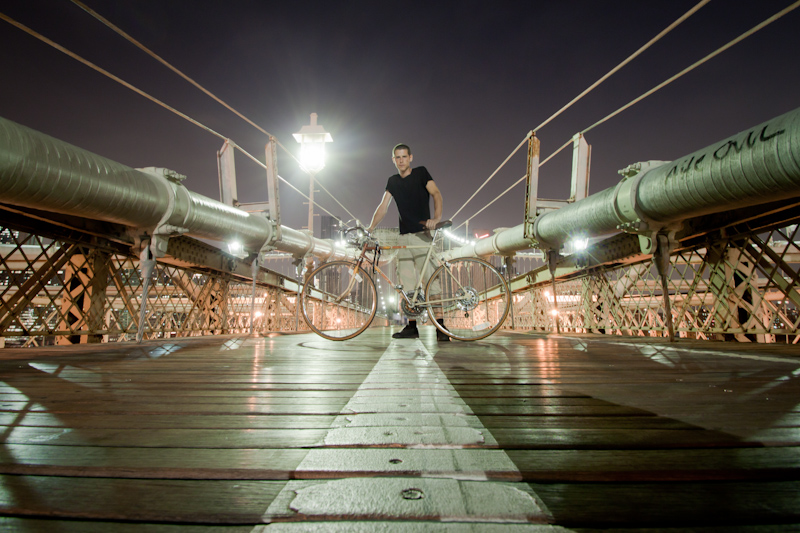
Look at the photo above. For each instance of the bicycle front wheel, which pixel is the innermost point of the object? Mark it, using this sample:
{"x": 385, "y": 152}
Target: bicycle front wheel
{"x": 339, "y": 300}
{"x": 473, "y": 298}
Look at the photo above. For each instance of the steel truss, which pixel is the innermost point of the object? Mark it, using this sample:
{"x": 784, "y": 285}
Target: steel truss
{"x": 743, "y": 287}
{"x": 738, "y": 283}
{"x": 67, "y": 290}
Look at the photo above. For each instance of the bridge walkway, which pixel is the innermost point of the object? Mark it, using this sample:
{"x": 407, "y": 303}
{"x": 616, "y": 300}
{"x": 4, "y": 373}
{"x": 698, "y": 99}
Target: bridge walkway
{"x": 518, "y": 432}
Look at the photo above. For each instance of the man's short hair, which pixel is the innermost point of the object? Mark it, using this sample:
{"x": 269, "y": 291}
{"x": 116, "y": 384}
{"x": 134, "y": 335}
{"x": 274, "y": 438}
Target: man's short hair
{"x": 401, "y": 146}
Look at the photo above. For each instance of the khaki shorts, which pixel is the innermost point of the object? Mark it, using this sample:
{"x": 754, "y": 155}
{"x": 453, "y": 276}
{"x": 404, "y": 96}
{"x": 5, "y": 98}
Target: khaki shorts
{"x": 410, "y": 261}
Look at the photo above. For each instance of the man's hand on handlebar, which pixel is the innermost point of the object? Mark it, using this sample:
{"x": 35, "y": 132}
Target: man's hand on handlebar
{"x": 430, "y": 224}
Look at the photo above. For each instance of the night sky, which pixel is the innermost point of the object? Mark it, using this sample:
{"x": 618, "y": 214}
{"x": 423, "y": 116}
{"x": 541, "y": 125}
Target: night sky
{"x": 461, "y": 82}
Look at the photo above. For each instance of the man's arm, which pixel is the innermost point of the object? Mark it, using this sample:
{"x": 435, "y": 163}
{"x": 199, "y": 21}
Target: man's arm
{"x": 380, "y": 212}
{"x": 438, "y": 204}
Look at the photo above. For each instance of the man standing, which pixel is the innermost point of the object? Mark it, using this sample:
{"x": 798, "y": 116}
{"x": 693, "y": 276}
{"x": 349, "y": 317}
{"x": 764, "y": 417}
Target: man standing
{"x": 411, "y": 189}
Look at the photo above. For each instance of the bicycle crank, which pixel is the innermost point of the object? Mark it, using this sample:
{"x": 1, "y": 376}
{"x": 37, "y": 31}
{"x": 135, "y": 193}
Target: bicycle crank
{"x": 415, "y": 311}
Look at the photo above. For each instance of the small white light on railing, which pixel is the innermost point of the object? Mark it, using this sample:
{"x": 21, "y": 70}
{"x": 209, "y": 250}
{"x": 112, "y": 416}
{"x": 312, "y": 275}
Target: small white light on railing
{"x": 235, "y": 247}
{"x": 579, "y": 245}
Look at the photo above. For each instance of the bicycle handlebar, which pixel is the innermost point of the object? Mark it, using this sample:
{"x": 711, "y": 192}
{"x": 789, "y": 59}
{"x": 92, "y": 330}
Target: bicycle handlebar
{"x": 441, "y": 225}
{"x": 359, "y": 235}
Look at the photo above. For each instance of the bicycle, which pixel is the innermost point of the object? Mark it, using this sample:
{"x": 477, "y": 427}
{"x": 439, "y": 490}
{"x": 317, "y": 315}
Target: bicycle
{"x": 339, "y": 299}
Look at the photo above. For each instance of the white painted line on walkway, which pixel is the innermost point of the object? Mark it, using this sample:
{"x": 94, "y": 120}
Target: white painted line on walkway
{"x": 406, "y": 419}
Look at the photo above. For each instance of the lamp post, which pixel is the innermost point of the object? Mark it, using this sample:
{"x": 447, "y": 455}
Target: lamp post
{"x": 312, "y": 138}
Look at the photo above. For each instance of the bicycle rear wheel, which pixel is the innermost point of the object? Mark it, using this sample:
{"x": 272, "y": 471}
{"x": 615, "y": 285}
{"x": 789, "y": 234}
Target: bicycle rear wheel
{"x": 474, "y": 299}
{"x": 339, "y": 300}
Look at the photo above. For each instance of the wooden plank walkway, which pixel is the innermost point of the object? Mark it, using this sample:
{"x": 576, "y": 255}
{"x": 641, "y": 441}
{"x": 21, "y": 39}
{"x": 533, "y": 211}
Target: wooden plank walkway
{"x": 518, "y": 432}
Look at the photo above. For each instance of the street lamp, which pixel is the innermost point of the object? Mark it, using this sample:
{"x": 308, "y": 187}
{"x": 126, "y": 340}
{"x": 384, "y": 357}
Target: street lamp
{"x": 312, "y": 138}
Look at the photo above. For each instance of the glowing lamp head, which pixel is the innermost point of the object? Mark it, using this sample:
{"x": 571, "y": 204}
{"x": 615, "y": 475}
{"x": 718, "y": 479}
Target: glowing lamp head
{"x": 312, "y": 139}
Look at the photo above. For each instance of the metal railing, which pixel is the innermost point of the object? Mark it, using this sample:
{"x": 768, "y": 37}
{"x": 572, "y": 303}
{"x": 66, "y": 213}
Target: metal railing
{"x": 744, "y": 288}
{"x": 64, "y": 291}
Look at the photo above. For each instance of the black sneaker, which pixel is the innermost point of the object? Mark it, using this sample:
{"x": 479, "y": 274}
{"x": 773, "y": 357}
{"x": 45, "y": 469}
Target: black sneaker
{"x": 408, "y": 332}
{"x": 441, "y": 337}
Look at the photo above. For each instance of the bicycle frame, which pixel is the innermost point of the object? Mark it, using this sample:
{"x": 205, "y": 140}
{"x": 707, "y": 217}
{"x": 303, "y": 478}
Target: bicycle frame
{"x": 429, "y": 259}
{"x": 463, "y": 289}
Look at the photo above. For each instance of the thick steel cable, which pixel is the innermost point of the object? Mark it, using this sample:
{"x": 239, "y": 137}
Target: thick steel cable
{"x": 153, "y": 99}
{"x": 177, "y": 71}
{"x": 105, "y": 72}
{"x": 696, "y": 64}
{"x": 688, "y": 69}
{"x": 520, "y": 145}
{"x": 630, "y": 58}
{"x": 298, "y": 191}
{"x": 581, "y": 95}
{"x": 174, "y": 69}
{"x": 551, "y": 156}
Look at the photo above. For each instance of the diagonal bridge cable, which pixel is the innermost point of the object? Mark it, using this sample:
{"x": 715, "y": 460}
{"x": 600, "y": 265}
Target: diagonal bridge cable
{"x": 177, "y": 71}
{"x": 153, "y": 99}
{"x": 174, "y": 69}
{"x": 589, "y": 89}
{"x": 663, "y": 84}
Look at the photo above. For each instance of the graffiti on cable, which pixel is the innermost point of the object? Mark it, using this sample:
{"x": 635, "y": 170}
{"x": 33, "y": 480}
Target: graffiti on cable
{"x": 728, "y": 148}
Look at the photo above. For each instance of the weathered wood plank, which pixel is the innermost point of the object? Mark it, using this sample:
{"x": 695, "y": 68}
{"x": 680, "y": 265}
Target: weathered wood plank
{"x": 169, "y": 438}
{"x": 677, "y": 505}
{"x": 36, "y": 525}
{"x": 626, "y": 465}
{"x": 656, "y": 439}
{"x": 164, "y": 463}
{"x": 156, "y": 421}
{"x": 184, "y": 501}
{"x": 637, "y": 439}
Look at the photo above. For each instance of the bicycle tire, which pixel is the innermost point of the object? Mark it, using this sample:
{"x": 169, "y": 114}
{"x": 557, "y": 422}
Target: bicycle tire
{"x": 477, "y": 298}
{"x": 352, "y": 314}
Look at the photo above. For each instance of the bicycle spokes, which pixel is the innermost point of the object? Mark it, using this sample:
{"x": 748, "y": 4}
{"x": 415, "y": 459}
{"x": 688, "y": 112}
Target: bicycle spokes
{"x": 339, "y": 300}
{"x": 473, "y": 298}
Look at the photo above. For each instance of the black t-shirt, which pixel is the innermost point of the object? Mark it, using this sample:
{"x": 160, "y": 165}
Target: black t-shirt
{"x": 412, "y": 198}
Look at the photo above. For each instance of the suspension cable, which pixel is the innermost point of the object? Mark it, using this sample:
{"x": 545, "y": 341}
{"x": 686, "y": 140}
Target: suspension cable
{"x": 688, "y": 69}
{"x": 693, "y": 66}
{"x": 581, "y": 95}
{"x": 153, "y": 99}
{"x": 520, "y": 145}
{"x": 174, "y": 69}
{"x": 105, "y": 73}
{"x": 177, "y": 71}
{"x": 551, "y": 156}
{"x": 630, "y": 58}
{"x": 298, "y": 191}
